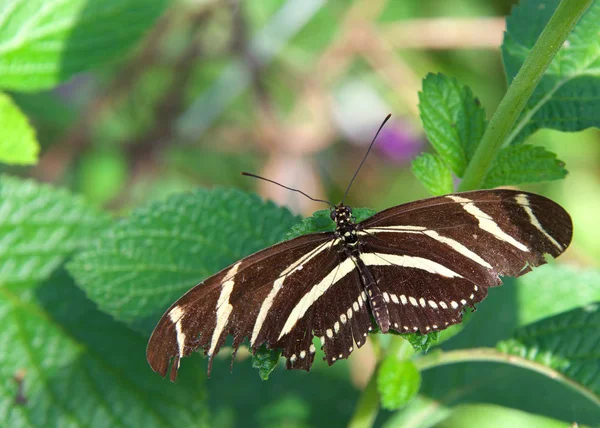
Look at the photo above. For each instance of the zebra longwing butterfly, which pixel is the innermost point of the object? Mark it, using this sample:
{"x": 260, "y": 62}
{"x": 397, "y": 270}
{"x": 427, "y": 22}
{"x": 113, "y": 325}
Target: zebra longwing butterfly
{"x": 411, "y": 268}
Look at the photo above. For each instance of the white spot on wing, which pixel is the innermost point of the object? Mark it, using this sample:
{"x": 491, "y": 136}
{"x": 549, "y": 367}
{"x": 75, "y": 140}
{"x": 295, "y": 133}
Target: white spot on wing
{"x": 403, "y": 299}
{"x": 394, "y": 298}
{"x": 422, "y": 302}
{"x": 336, "y": 327}
{"x": 454, "y": 304}
{"x": 487, "y": 223}
{"x": 413, "y": 301}
{"x": 443, "y": 305}
{"x": 432, "y": 304}
{"x": 312, "y": 348}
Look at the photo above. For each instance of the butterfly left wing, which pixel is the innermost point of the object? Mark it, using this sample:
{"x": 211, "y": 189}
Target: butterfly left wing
{"x": 434, "y": 257}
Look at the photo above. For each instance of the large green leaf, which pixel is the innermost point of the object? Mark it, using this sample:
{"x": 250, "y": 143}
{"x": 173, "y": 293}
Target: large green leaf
{"x": 39, "y": 227}
{"x": 453, "y": 119}
{"x": 18, "y": 144}
{"x": 145, "y": 262}
{"x": 568, "y": 96}
{"x": 64, "y": 363}
{"x": 568, "y": 343}
{"x": 44, "y": 42}
{"x": 553, "y": 289}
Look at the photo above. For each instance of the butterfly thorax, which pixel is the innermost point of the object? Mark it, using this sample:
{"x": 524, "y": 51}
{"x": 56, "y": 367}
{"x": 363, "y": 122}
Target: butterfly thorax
{"x": 345, "y": 224}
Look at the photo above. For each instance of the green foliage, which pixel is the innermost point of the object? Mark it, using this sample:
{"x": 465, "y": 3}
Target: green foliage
{"x": 422, "y": 342}
{"x": 433, "y": 173}
{"x": 554, "y": 289}
{"x": 398, "y": 381}
{"x": 18, "y": 144}
{"x": 39, "y": 227}
{"x": 453, "y": 120}
{"x": 524, "y": 164}
{"x": 265, "y": 360}
{"x": 143, "y": 263}
{"x": 64, "y": 363}
{"x": 568, "y": 96}
{"x": 44, "y": 42}
{"x": 568, "y": 343}
{"x": 493, "y": 416}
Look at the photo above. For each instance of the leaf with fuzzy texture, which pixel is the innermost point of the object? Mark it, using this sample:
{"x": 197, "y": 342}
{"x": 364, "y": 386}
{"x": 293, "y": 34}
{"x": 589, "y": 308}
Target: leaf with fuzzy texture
{"x": 39, "y": 227}
{"x": 524, "y": 164}
{"x": 64, "y": 363}
{"x": 568, "y": 343}
{"x": 453, "y": 119}
{"x": 145, "y": 262}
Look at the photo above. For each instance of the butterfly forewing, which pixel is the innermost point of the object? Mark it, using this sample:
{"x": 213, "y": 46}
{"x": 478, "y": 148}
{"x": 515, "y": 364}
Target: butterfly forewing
{"x": 414, "y": 267}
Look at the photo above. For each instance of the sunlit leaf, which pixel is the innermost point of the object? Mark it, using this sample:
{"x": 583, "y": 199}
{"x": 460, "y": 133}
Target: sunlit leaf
{"x": 398, "y": 381}
{"x": 18, "y": 144}
{"x": 433, "y": 173}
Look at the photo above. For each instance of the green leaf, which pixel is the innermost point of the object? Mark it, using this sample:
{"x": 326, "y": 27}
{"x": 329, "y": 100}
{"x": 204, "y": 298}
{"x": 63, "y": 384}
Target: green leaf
{"x": 453, "y": 119}
{"x": 524, "y": 164}
{"x": 321, "y": 221}
{"x": 265, "y": 360}
{"x": 433, "y": 173}
{"x": 145, "y": 262}
{"x": 39, "y": 227}
{"x": 18, "y": 145}
{"x": 422, "y": 342}
{"x": 568, "y": 96}
{"x": 421, "y": 412}
{"x": 568, "y": 343}
{"x": 553, "y": 289}
{"x": 45, "y": 42}
{"x": 494, "y": 416}
{"x": 64, "y": 363}
{"x": 398, "y": 381}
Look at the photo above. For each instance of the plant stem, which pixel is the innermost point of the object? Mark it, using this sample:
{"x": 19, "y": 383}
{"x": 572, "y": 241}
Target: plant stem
{"x": 437, "y": 359}
{"x": 368, "y": 405}
{"x": 549, "y": 42}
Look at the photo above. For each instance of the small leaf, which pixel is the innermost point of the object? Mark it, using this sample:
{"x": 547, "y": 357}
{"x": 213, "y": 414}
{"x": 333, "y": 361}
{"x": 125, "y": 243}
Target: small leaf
{"x": 18, "y": 145}
{"x": 553, "y": 289}
{"x": 321, "y": 221}
{"x": 45, "y": 42}
{"x": 453, "y": 119}
{"x": 568, "y": 343}
{"x": 71, "y": 365}
{"x": 265, "y": 360}
{"x": 422, "y": 342}
{"x": 398, "y": 381}
{"x": 568, "y": 96}
{"x": 145, "y": 262}
{"x": 524, "y": 164}
{"x": 433, "y": 173}
{"x": 39, "y": 227}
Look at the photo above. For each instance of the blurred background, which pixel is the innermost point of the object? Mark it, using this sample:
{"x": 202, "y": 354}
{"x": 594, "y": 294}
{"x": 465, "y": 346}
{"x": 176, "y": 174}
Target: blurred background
{"x": 293, "y": 90}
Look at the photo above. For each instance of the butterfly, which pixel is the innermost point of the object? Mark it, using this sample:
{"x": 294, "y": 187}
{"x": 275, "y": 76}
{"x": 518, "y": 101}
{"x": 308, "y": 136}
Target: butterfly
{"x": 415, "y": 267}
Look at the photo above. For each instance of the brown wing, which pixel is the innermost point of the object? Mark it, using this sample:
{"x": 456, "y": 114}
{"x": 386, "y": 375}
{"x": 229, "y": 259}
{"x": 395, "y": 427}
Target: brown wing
{"x": 432, "y": 258}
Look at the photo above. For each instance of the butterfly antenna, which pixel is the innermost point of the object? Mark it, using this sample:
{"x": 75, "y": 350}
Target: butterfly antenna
{"x": 247, "y": 174}
{"x": 365, "y": 158}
